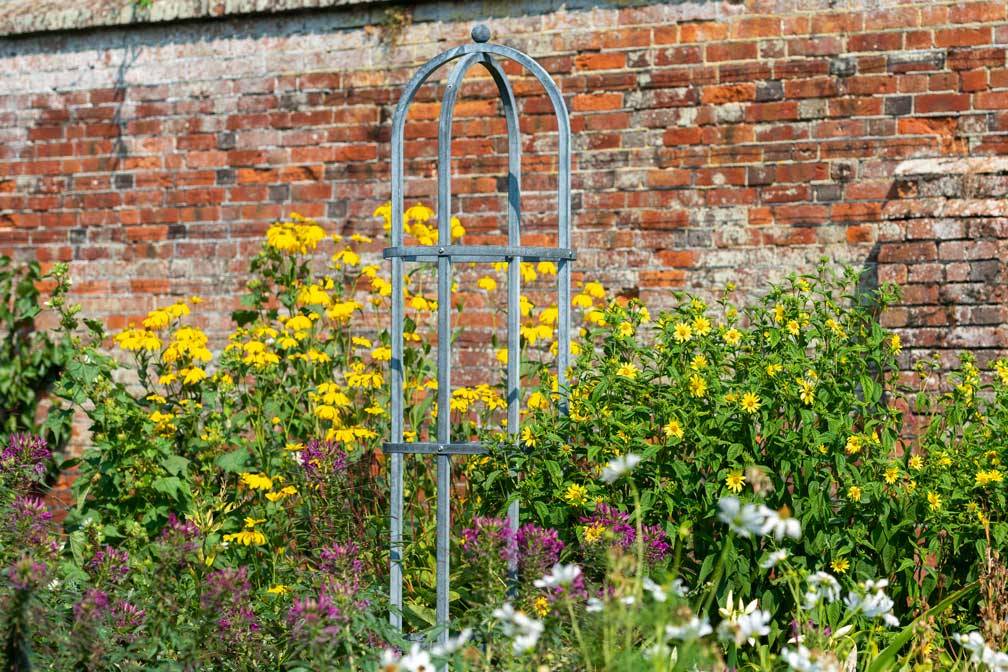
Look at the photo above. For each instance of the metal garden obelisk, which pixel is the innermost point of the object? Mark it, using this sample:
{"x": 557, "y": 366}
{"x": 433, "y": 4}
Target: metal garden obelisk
{"x": 445, "y": 254}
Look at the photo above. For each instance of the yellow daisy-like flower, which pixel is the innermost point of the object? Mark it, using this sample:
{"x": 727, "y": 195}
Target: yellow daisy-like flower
{"x": 854, "y": 444}
{"x": 192, "y": 375}
{"x": 527, "y": 438}
{"x": 682, "y": 332}
{"x": 732, "y": 337}
{"x": 699, "y": 363}
{"x": 701, "y": 325}
{"x": 778, "y": 313}
{"x": 750, "y": 402}
{"x": 625, "y": 330}
{"x": 916, "y": 462}
{"x": 502, "y": 355}
{"x": 594, "y": 290}
{"x": 596, "y": 317}
{"x": 895, "y": 344}
{"x": 256, "y": 481}
{"x": 381, "y": 354}
{"x": 1001, "y": 369}
{"x": 537, "y": 400}
{"x": 346, "y": 257}
{"x": 627, "y": 370}
{"x": 546, "y": 268}
{"x": 298, "y": 236}
{"x": 247, "y": 537}
{"x": 735, "y": 481}
{"x": 136, "y": 340}
{"x": 288, "y": 491}
{"x": 892, "y": 474}
{"x": 582, "y": 301}
{"x": 854, "y": 493}
{"x": 541, "y": 606}
{"x": 793, "y": 327}
{"x": 840, "y": 565}
{"x": 673, "y": 429}
{"x": 549, "y": 316}
{"x": 576, "y": 495}
{"x": 594, "y": 532}
{"x": 487, "y": 283}
{"x": 806, "y": 392}
{"x": 697, "y": 386}
{"x": 986, "y": 477}
{"x": 773, "y": 369}
{"x": 279, "y": 589}
{"x": 934, "y": 501}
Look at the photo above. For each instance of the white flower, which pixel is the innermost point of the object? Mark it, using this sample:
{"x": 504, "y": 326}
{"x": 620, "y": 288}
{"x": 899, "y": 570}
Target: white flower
{"x": 561, "y": 575}
{"x": 822, "y": 586}
{"x": 524, "y": 631}
{"x": 730, "y": 610}
{"x": 453, "y": 645}
{"x": 657, "y": 592}
{"x": 744, "y": 520}
{"x": 773, "y": 559}
{"x": 417, "y": 660}
{"x": 870, "y": 599}
{"x": 690, "y": 630}
{"x": 780, "y": 525}
{"x": 620, "y": 466}
{"x": 628, "y": 600}
{"x": 389, "y": 660}
{"x": 800, "y": 660}
{"x": 679, "y": 588}
{"x": 594, "y": 605}
{"x": 745, "y": 627}
{"x": 981, "y": 653}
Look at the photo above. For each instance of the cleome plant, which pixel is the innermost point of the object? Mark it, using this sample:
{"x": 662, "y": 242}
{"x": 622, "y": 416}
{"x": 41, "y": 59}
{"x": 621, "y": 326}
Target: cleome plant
{"x": 730, "y": 485}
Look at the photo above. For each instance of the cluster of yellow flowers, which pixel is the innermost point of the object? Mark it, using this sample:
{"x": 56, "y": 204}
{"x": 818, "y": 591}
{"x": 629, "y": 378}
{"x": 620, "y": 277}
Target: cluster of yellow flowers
{"x": 300, "y": 235}
{"x": 415, "y": 223}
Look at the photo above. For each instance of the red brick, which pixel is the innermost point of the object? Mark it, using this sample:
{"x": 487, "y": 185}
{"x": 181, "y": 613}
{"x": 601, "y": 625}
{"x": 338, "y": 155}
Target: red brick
{"x": 977, "y": 12}
{"x": 707, "y": 31}
{"x": 756, "y": 26}
{"x": 595, "y": 102}
{"x": 716, "y": 95}
{"x": 890, "y": 41}
{"x": 973, "y": 80}
{"x": 604, "y": 61}
{"x": 941, "y": 102}
{"x": 962, "y": 37}
{"x": 851, "y": 22}
{"x": 731, "y": 51}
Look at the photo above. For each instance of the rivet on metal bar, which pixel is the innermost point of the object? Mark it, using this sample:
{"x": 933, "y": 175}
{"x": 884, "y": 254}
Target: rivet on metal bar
{"x": 446, "y": 254}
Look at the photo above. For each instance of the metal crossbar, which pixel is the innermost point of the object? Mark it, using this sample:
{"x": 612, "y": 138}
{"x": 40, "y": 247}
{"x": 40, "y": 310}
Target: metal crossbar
{"x": 445, "y": 255}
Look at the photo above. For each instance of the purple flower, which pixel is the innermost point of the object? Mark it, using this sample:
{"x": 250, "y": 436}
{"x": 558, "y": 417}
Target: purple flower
{"x": 320, "y": 459}
{"x": 656, "y": 544}
{"x": 109, "y": 565}
{"x": 27, "y": 574}
{"x": 23, "y": 459}
{"x": 225, "y": 596}
{"x": 91, "y": 607}
{"x": 538, "y": 550}
{"x": 343, "y": 568}
{"x": 29, "y": 521}
{"x": 489, "y": 538}
{"x": 613, "y": 520}
{"x": 179, "y": 541}
{"x": 314, "y": 621}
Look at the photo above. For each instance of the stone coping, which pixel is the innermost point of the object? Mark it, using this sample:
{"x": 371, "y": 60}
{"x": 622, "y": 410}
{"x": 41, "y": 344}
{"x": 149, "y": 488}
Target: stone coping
{"x": 23, "y": 17}
{"x": 980, "y": 165}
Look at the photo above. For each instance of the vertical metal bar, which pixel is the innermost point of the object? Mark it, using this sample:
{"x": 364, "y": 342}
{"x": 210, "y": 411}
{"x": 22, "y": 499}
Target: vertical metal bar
{"x": 396, "y": 375}
{"x": 563, "y": 240}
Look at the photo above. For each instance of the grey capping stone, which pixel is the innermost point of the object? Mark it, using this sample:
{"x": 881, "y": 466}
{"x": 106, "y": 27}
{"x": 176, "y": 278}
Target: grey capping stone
{"x": 843, "y": 66}
{"x": 769, "y": 90}
{"x": 898, "y": 106}
{"x": 21, "y": 17}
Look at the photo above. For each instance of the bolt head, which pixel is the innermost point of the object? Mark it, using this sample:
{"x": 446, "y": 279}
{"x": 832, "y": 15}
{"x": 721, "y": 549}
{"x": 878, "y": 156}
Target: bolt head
{"x": 480, "y": 33}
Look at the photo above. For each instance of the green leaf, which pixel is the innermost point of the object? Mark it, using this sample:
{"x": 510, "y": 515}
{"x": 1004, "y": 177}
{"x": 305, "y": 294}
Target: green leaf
{"x": 169, "y": 485}
{"x": 233, "y": 461}
{"x": 174, "y": 464}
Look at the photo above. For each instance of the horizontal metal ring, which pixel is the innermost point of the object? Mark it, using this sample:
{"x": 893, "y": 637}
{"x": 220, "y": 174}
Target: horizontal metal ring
{"x": 478, "y": 253}
{"x": 434, "y": 448}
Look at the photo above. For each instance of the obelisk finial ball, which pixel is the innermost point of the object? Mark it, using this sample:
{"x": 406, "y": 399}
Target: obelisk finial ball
{"x": 480, "y": 33}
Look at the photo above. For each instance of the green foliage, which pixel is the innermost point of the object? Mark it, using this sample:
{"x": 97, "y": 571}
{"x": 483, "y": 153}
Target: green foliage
{"x": 30, "y": 360}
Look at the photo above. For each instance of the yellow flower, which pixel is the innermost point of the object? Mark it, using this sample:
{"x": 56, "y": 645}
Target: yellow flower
{"x": 279, "y": 589}
{"x": 166, "y": 379}
{"x": 806, "y": 391}
{"x": 793, "y": 327}
{"x": 576, "y": 495}
{"x": 361, "y": 341}
{"x": 892, "y": 474}
{"x": 537, "y": 400}
{"x": 840, "y": 565}
{"x": 457, "y": 230}
{"x": 733, "y": 337}
{"x": 487, "y": 283}
{"x": 298, "y": 236}
{"x": 549, "y": 315}
{"x": 627, "y": 370}
{"x": 750, "y": 402}
{"x": 256, "y": 481}
{"x": 895, "y": 344}
{"x": 346, "y": 257}
{"x": 673, "y": 429}
{"x": 247, "y": 537}
{"x": 135, "y": 340}
{"x": 342, "y": 311}
{"x": 528, "y": 272}
{"x": 854, "y": 444}
{"x": 682, "y": 332}
{"x": 381, "y": 354}
{"x": 192, "y": 375}
{"x": 582, "y": 301}
{"x": 358, "y": 377}
{"x": 546, "y": 268}
{"x": 541, "y": 606}
{"x": 934, "y": 500}
{"x": 854, "y": 493}
{"x": 163, "y": 422}
{"x": 1001, "y": 368}
{"x": 773, "y": 369}
{"x": 835, "y": 327}
{"x": 594, "y": 532}
{"x": 697, "y": 386}
{"x": 528, "y": 439}
{"x": 502, "y": 355}
{"x": 985, "y": 477}
{"x": 594, "y": 290}
{"x": 735, "y": 481}
{"x": 916, "y": 462}
{"x": 699, "y": 363}
{"x": 288, "y": 491}
{"x": 701, "y": 325}
{"x": 778, "y": 313}
{"x": 313, "y": 295}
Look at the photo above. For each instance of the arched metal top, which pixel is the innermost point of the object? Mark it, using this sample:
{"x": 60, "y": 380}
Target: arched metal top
{"x": 482, "y": 53}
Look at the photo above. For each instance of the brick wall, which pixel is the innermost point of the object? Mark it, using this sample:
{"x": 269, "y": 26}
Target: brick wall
{"x": 715, "y": 141}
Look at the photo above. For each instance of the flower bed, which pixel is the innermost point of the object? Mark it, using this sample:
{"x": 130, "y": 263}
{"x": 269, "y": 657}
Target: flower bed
{"x": 732, "y": 487}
